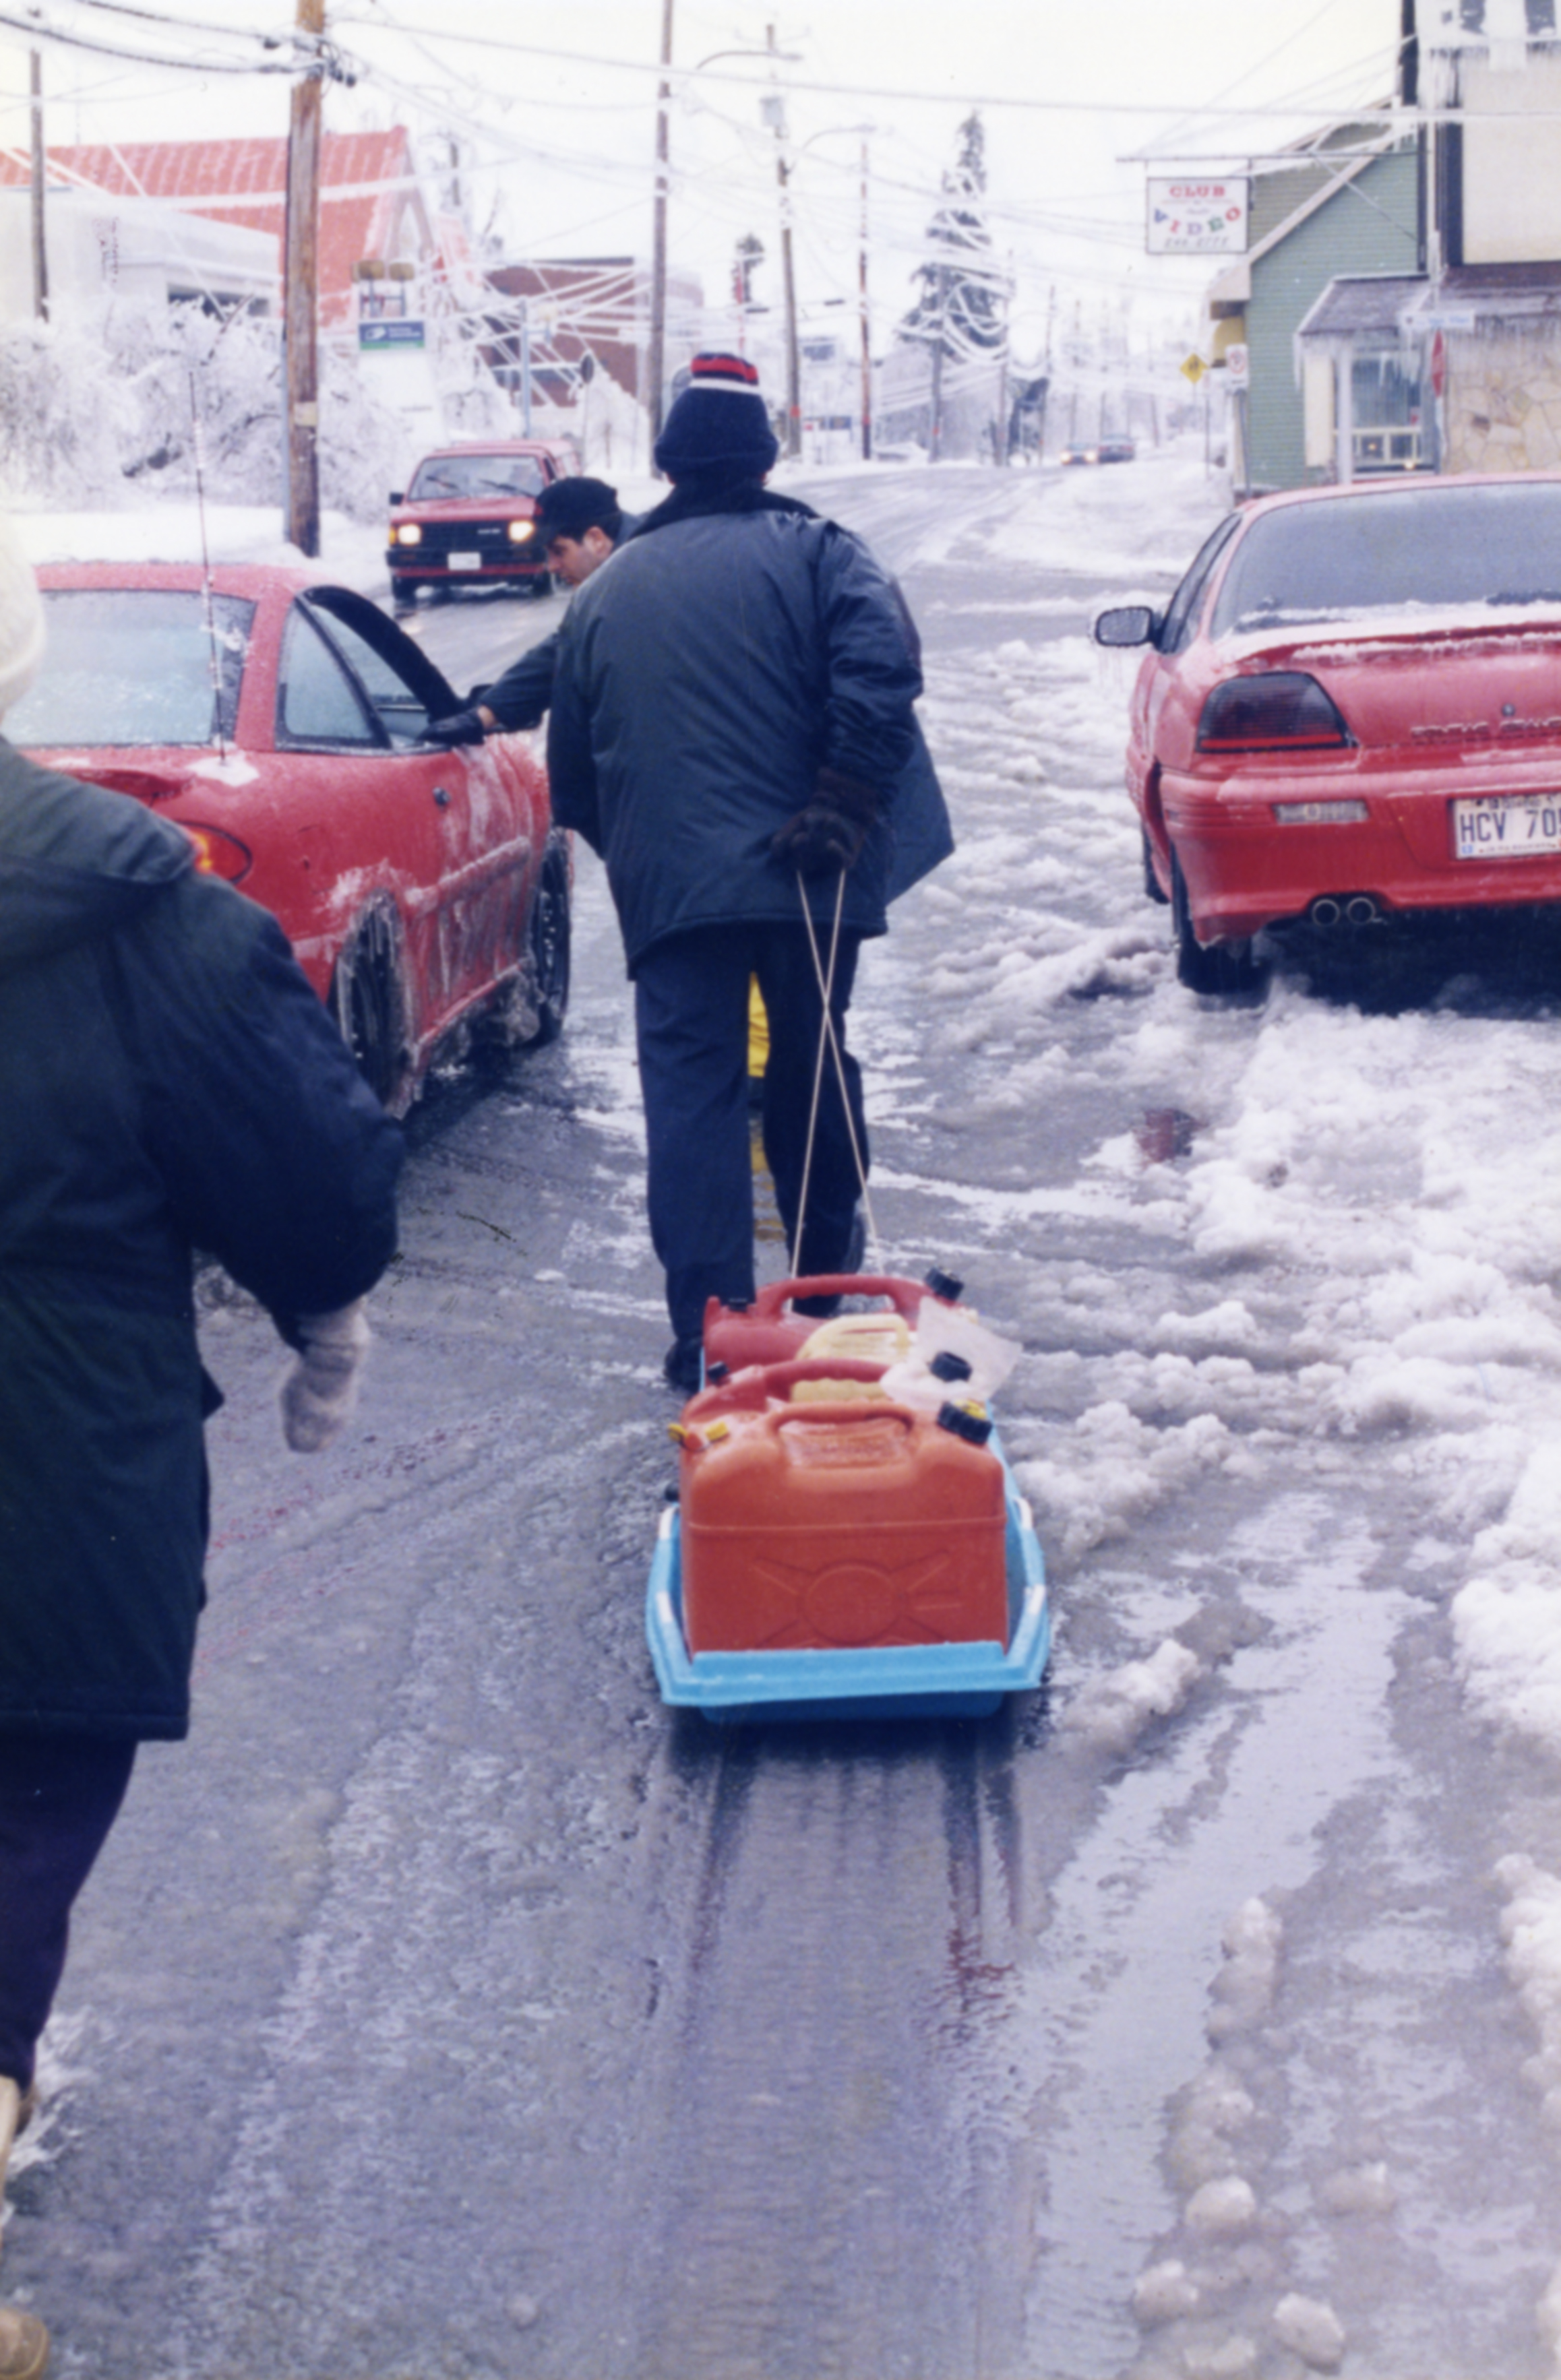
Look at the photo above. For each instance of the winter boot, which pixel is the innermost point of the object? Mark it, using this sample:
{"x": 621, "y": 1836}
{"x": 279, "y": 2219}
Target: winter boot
{"x": 24, "y": 2345}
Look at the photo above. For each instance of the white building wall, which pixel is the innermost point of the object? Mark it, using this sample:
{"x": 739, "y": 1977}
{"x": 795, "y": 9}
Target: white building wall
{"x": 100, "y": 246}
{"x": 1511, "y": 166}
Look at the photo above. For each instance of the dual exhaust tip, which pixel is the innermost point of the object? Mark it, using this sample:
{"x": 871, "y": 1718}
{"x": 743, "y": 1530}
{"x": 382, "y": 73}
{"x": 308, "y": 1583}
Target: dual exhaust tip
{"x": 1333, "y": 909}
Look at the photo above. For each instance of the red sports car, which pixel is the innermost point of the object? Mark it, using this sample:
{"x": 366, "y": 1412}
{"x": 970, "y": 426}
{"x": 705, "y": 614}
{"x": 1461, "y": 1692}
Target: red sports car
{"x": 282, "y": 724}
{"x": 1351, "y": 713}
{"x": 467, "y": 518}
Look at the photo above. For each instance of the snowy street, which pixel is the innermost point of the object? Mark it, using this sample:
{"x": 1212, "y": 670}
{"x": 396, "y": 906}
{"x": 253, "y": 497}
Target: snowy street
{"x": 446, "y": 2007}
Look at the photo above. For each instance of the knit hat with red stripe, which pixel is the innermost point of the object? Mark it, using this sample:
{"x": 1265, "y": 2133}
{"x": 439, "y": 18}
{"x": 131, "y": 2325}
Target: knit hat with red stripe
{"x": 718, "y": 423}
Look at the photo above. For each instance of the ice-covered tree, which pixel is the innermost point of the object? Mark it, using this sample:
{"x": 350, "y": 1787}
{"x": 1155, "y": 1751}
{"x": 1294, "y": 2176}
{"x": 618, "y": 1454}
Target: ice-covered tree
{"x": 961, "y": 286}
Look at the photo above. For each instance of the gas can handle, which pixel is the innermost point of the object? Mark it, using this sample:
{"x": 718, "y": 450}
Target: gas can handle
{"x": 904, "y": 1295}
{"x": 782, "y": 1416}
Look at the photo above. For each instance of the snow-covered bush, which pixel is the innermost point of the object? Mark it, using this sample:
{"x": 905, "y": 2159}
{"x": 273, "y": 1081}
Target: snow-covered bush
{"x": 64, "y": 415}
{"x": 108, "y": 401}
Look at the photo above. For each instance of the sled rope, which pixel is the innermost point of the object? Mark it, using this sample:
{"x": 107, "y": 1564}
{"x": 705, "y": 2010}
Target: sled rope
{"x": 829, "y": 1038}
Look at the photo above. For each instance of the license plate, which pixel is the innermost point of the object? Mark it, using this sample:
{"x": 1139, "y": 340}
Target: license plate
{"x": 1507, "y": 826}
{"x": 463, "y": 561}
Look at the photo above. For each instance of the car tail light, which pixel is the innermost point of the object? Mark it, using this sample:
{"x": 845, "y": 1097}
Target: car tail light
{"x": 1279, "y": 711}
{"x": 217, "y": 853}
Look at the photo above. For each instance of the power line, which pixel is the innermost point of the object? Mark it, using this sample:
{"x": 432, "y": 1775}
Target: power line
{"x": 36, "y": 33}
{"x": 794, "y": 83}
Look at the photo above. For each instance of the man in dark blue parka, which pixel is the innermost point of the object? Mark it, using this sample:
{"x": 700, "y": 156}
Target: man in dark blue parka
{"x": 169, "y": 1081}
{"x": 732, "y": 730}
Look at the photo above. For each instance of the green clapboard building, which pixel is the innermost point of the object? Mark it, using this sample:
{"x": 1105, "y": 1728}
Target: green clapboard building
{"x": 1334, "y": 212}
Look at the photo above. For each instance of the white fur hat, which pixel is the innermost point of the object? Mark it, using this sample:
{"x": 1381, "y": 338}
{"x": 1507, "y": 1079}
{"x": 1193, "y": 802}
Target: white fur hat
{"x": 21, "y": 618}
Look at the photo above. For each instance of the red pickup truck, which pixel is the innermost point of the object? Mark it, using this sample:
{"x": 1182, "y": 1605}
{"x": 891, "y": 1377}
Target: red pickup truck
{"x": 467, "y": 518}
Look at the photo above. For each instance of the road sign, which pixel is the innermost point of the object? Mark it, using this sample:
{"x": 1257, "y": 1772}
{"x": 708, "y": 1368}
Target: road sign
{"x": 1235, "y": 366}
{"x": 1194, "y": 368}
{"x": 1188, "y": 218}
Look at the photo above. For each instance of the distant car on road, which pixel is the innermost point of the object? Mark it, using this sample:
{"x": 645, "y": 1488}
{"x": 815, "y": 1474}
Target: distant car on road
{"x": 281, "y": 724}
{"x": 1116, "y": 450}
{"x": 1351, "y": 712}
{"x": 467, "y": 518}
{"x": 1079, "y": 454}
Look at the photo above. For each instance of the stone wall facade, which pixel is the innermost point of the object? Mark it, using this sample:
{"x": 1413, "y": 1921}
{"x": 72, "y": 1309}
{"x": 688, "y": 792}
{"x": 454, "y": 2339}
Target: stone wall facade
{"x": 1503, "y": 404}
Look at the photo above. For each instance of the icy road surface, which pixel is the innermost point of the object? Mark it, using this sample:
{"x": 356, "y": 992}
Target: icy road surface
{"x": 445, "y": 2008}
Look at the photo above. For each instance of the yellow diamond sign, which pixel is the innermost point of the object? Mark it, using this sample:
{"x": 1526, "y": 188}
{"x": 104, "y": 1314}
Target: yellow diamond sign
{"x": 1195, "y": 368}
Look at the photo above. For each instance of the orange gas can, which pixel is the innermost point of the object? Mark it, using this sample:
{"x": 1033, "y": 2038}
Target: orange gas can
{"x": 768, "y": 1333}
{"x": 847, "y": 1523}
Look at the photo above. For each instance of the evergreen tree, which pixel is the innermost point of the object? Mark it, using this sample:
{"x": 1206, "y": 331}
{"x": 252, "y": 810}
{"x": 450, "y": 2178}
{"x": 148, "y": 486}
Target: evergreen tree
{"x": 961, "y": 286}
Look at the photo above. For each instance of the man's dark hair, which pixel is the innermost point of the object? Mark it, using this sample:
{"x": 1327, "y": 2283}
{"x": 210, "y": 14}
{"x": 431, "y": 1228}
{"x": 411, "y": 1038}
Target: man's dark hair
{"x": 569, "y": 507}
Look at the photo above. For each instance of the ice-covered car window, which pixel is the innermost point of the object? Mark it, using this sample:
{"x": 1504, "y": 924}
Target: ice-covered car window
{"x": 404, "y": 717}
{"x": 1434, "y": 546}
{"x": 468, "y": 477}
{"x": 317, "y": 701}
{"x": 135, "y": 665}
{"x": 1181, "y": 615}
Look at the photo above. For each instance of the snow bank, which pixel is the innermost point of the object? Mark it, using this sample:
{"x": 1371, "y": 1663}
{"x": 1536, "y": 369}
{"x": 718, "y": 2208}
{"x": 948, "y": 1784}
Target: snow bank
{"x": 1110, "y": 1713}
{"x": 172, "y": 532}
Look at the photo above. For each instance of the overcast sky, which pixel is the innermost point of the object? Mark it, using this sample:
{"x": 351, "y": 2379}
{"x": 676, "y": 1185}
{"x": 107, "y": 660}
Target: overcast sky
{"x": 557, "y": 149}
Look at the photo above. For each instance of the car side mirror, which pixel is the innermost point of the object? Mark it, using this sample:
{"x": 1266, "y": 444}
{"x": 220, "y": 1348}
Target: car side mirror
{"x": 398, "y": 495}
{"x": 1127, "y": 624}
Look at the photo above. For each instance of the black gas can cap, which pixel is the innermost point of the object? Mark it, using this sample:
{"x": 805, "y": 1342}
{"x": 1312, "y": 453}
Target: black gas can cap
{"x": 943, "y": 1285}
{"x": 947, "y": 1365}
{"x": 974, "y": 1428}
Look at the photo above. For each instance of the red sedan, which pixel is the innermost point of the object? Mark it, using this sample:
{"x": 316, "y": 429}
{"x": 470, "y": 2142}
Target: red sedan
{"x": 1351, "y": 713}
{"x": 282, "y": 724}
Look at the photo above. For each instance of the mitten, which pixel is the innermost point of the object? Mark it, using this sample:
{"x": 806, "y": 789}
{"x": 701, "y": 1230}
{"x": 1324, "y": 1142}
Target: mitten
{"x": 460, "y": 727}
{"x": 321, "y": 1389}
{"x": 828, "y": 831}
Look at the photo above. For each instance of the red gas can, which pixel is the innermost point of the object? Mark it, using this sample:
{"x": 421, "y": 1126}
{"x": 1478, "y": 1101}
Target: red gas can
{"x": 768, "y": 1333}
{"x": 845, "y": 1522}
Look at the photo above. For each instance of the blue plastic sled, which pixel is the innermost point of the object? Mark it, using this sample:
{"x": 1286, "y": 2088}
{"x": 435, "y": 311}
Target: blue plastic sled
{"x": 965, "y": 1681}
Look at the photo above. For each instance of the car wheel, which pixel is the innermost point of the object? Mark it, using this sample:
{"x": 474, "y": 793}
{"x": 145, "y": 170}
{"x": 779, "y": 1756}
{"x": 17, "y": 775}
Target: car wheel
{"x": 403, "y": 591}
{"x": 547, "y": 948}
{"x": 368, "y": 1009}
{"x": 543, "y": 585}
{"x": 1152, "y": 884}
{"x": 1218, "y": 967}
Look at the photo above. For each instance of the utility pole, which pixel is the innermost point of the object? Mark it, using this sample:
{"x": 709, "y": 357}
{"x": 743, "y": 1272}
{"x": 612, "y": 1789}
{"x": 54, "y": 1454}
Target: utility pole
{"x": 788, "y": 277}
{"x": 40, "y": 252}
{"x": 300, "y": 304}
{"x": 934, "y": 441}
{"x": 1000, "y": 443}
{"x": 866, "y": 325}
{"x": 655, "y": 353}
{"x": 1046, "y": 369}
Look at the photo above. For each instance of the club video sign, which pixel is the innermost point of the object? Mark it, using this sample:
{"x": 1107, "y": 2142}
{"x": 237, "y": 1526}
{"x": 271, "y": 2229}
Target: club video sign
{"x": 1198, "y": 218}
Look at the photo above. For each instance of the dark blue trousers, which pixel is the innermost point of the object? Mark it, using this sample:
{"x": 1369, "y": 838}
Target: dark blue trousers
{"x": 690, "y": 995}
{"x": 59, "y": 1795}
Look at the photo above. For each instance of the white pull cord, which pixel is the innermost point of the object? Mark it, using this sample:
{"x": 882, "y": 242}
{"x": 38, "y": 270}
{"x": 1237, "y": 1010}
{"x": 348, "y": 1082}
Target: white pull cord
{"x": 828, "y": 1035}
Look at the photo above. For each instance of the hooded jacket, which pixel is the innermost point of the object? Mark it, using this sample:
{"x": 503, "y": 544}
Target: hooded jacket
{"x": 732, "y": 647}
{"x": 169, "y": 1081}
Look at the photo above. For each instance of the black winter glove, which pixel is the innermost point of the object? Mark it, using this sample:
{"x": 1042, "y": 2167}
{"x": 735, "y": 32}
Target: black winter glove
{"x": 830, "y": 831}
{"x": 460, "y": 727}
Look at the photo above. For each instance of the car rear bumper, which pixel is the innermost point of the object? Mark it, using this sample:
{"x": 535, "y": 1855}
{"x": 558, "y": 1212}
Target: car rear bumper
{"x": 1244, "y": 869}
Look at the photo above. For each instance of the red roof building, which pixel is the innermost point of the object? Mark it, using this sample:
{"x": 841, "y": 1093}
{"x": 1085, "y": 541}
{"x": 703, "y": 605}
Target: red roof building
{"x": 372, "y": 202}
